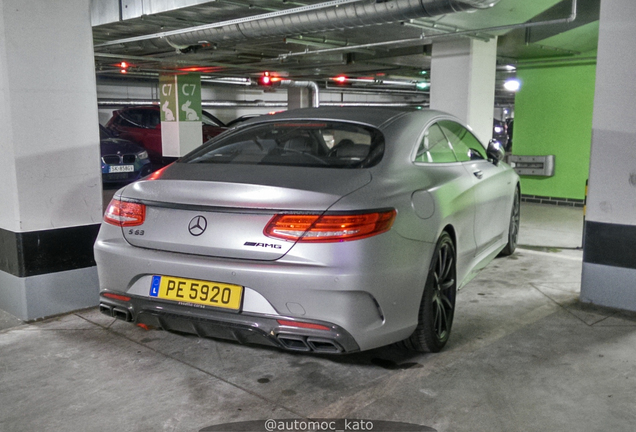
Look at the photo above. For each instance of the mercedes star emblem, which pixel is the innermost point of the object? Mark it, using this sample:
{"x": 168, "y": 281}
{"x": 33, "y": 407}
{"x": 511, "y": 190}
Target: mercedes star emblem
{"x": 197, "y": 225}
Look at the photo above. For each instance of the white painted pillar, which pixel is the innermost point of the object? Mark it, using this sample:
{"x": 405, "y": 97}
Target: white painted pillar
{"x": 298, "y": 97}
{"x": 609, "y": 251}
{"x": 181, "y": 118}
{"x": 50, "y": 179}
{"x": 463, "y": 82}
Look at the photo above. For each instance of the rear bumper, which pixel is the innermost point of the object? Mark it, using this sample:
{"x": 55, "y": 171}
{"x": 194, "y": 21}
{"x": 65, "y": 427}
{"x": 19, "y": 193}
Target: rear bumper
{"x": 242, "y": 328}
{"x": 370, "y": 296}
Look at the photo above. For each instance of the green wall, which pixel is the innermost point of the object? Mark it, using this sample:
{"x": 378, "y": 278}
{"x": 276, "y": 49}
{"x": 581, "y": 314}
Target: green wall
{"x": 553, "y": 115}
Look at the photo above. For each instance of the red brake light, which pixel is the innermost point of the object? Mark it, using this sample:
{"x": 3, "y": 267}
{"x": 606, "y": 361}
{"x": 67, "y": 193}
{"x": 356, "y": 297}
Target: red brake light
{"x": 157, "y": 174}
{"x": 123, "y": 213}
{"x": 300, "y": 324}
{"x": 329, "y": 228}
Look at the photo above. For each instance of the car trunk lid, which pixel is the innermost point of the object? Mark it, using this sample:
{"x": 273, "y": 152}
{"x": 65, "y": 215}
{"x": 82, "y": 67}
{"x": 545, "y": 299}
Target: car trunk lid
{"x": 222, "y": 212}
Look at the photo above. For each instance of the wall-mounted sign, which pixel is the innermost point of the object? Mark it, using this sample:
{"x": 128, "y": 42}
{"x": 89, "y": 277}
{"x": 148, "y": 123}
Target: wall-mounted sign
{"x": 180, "y": 103}
{"x": 532, "y": 165}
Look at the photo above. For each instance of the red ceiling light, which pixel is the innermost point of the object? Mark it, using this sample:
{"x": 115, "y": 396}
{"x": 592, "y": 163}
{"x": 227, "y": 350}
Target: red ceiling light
{"x": 265, "y": 79}
{"x": 341, "y": 79}
{"x": 268, "y": 80}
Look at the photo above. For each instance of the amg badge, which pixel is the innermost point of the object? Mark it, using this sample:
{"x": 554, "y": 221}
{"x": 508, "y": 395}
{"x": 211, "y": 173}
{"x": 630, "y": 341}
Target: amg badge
{"x": 263, "y": 245}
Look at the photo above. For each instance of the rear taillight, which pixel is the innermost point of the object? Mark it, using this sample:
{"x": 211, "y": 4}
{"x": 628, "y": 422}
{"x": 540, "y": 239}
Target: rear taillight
{"x": 124, "y": 214}
{"x": 329, "y": 228}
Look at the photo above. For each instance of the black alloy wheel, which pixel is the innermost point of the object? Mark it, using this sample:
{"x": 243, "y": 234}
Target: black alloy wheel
{"x": 438, "y": 301}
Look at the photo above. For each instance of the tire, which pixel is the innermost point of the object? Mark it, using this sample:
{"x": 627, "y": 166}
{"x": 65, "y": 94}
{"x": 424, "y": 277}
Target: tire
{"x": 437, "y": 308}
{"x": 513, "y": 229}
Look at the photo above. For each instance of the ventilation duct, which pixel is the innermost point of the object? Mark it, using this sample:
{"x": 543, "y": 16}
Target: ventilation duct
{"x": 350, "y": 15}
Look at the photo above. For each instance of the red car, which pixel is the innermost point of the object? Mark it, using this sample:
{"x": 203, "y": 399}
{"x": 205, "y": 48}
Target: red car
{"x": 142, "y": 125}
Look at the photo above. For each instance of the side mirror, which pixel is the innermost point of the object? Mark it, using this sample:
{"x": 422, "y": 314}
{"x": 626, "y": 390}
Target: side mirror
{"x": 495, "y": 151}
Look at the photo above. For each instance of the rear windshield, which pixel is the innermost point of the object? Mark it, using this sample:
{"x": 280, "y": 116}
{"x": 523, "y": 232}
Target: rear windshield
{"x": 295, "y": 143}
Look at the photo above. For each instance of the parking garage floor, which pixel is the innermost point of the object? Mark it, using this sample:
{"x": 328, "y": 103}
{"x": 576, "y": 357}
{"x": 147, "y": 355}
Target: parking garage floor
{"x": 524, "y": 355}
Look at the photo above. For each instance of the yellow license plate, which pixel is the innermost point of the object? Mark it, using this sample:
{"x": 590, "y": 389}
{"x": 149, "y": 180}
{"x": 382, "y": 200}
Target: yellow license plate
{"x": 206, "y": 293}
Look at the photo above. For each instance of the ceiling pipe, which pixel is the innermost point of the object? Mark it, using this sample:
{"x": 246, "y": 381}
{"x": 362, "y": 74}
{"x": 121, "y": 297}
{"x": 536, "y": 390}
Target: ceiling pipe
{"x": 312, "y": 86}
{"x": 429, "y": 38}
{"x": 226, "y": 80}
{"x": 436, "y": 27}
{"x": 335, "y": 16}
{"x": 203, "y": 27}
{"x": 555, "y": 62}
{"x": 112, "y": 103}
{"x": 372, "y": 90}
{"x": 244, "y": 104}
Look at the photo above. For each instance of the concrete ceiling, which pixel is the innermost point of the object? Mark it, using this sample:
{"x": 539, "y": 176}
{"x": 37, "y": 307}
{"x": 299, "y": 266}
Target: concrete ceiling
{"x": 129, "y": 30}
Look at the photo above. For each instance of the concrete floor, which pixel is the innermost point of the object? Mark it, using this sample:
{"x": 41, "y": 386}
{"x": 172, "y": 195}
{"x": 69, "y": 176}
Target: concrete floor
{"x": 524, "y": 355}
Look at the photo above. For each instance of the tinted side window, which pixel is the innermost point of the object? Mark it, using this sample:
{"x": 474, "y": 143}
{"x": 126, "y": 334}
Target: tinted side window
{"x": 434, "y": 147}
{"x": 466, "y": 145}
{"x": 210, "y": 120}
{"x": 152, "y": 119}
{"x": 131, "y": 118}
{"x": 118, "y": 121}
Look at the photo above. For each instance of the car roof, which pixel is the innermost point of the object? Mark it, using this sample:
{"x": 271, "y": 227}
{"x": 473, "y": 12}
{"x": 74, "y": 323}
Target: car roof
{"x": 372, "y": 116}
{"x": 150, "y": 107}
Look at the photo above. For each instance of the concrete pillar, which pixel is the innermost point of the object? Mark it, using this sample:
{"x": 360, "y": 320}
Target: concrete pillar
{"x": 609, "y": 251}
{"x": 50, "y": 179}
{"x": 463, "y": 82}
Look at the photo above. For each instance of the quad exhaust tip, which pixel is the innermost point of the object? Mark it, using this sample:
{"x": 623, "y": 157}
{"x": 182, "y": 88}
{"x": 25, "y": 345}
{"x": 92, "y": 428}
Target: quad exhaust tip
{"x": 116, "y": 312}
{"x": 309, "y": 344}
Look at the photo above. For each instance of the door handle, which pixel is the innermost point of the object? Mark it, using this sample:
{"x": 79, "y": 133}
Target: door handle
{"x": 479, "y": 174}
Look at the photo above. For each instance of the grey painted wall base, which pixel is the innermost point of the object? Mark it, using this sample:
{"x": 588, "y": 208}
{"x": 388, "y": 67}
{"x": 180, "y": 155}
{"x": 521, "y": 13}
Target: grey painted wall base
{"x": 609, "y": 286}
{"x": 41, "y": 296}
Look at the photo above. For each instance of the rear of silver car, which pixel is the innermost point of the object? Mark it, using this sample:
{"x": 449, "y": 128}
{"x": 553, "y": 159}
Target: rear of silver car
{"x": 325, "y": 297}
{"x": 283, "y": 255}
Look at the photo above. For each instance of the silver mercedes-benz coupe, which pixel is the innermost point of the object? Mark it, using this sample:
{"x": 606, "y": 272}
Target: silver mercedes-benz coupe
{"x": 328, "y": 230}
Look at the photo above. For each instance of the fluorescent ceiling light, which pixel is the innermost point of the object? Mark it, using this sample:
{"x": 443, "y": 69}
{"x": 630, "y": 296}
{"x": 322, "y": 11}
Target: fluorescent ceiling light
{"x": 512, "y": 85}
